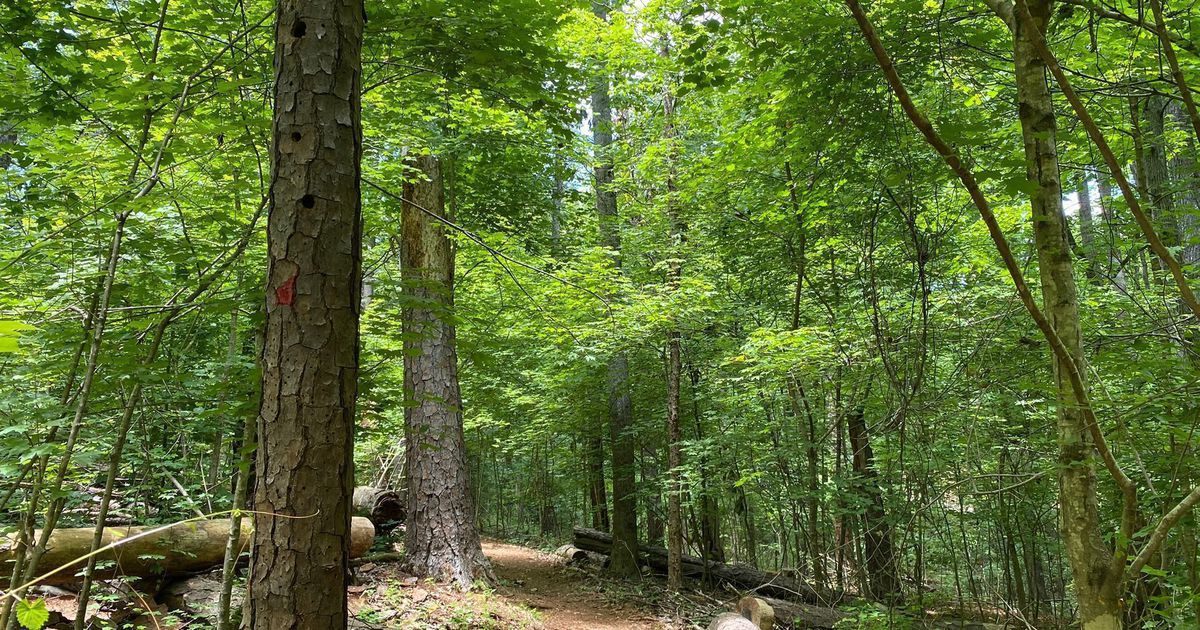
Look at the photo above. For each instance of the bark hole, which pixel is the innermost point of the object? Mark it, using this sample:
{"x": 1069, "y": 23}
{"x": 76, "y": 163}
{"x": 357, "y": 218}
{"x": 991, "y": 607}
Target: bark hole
{"x": 299, "y": 28}
{"x": 308, "y": 201}
{"x": 296, "y": 136}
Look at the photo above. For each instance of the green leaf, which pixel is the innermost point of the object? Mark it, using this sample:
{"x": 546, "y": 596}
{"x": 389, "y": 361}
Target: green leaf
{"x": 32, "y": 615}
{"x": 9, "y": 331}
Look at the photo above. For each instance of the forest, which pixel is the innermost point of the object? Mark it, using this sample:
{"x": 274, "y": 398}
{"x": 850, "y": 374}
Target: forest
{"x": 591, "y": 314}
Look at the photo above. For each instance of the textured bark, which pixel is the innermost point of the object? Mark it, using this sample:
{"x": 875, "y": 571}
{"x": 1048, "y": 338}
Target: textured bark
{"x": 620, "y": 407}
{"x": 304, "y": 473}
{"x": 442, "y": 539}
{"x": 879, "y": 552}
{"x": 1087, "y": 554}
{"x": 1156, "y": 169}
{"x": 175, "y": 550}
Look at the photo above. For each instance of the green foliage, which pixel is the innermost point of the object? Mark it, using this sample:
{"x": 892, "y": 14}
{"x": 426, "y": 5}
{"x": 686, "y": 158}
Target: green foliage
{"x": 832, "y": 265}
{"x": 32, "y": 615}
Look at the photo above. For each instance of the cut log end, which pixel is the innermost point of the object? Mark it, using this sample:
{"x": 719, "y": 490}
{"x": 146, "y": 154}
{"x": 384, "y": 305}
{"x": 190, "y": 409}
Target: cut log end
{"x": 385, "y": 508}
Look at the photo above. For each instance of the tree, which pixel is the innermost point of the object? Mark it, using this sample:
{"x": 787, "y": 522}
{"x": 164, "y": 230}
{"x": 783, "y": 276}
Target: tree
{"x": 620, "y": 410}
{"x": 441, "y": 539}
{"x": 1086, "y": 551}
{"x": 304, "y": 468}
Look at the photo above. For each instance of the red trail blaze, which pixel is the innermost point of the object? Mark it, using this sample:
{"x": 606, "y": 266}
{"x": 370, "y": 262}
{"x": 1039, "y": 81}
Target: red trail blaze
{"x": 285, "y": 294}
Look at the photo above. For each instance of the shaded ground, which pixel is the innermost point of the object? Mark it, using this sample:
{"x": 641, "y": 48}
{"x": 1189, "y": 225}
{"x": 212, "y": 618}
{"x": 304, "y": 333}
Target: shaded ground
{"x": 565, "y": 598}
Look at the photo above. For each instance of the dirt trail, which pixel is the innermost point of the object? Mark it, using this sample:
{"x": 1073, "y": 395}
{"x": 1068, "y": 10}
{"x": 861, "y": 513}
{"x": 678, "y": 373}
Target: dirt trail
{"x": 564, "y": 599}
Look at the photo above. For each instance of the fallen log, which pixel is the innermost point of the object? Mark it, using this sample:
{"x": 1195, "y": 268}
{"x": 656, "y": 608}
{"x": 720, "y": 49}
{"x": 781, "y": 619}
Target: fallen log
{"x": 751, "y": 613}
{"x": 178, "y": 550}
{"x": 385, "y": 508}
{"x": 732, "y": 621}
{"x": 744, "y": 577}
{"x": 571, "y": 553}
{"x": 805, "y": 615}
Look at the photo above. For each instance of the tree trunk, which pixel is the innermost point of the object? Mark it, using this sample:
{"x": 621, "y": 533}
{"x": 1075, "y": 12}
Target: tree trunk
{"x": 655, "y": 527}
{"x": 1087, "y": 225}
{"x": 620, "y": 408}
{"x": 879, "y": 554}
{"x": 233, "y": 542}
{"x": 1113, "y": 267}
{"x": 597, "y": 494}
{"x": 310, "y": 353}
{"x": 1184, "y": 166}
{"x": 1156, "y": 167}
{"x": 442, "y": 539}
{"x": 710, "y": 506}
{"x": 1087, "y": 553}
{"x": 675, "y": 239}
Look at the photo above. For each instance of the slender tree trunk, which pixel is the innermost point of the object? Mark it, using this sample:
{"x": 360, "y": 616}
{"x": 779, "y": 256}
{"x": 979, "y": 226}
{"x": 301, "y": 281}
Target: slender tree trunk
{"x": 745, "y": 512}
{"x": 27, "y": 559}
{"x": 1186, "y": 173}
{"x": 1089, "y": 557}
{"x": 442, "y": 538}
{"x": 710, "y": 507}
{"x": 233, "y": 543}
{"x": 558, "y": 197}
{"x": 1087, "y": 225}
{"x": 676, "y": 237}
{"x": 655, "y": 527}
{"x": 1112, "y": 257}
{"x": 597, "y": 493}
{"x": 304, "y": 466}
{"x": 620, "y": 408}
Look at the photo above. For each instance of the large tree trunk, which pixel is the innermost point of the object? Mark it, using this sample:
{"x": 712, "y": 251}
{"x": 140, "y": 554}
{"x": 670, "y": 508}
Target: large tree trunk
{"x": 1089, "y": 557}
{"x": 442, "y": 539}
{"x": 153, "y": 551}
{"x": 310, "y": 353}
{"x": 620, "y": 407}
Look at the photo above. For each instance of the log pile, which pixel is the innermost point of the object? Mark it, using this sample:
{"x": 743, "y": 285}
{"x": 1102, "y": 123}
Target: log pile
{"x": 743, "y": 577}
{"x": 177, "y": 550}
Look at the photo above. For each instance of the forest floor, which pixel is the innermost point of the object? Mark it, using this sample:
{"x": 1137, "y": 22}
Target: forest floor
{"x": 565, "y": 598}
{"x": 536, "y": 591}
